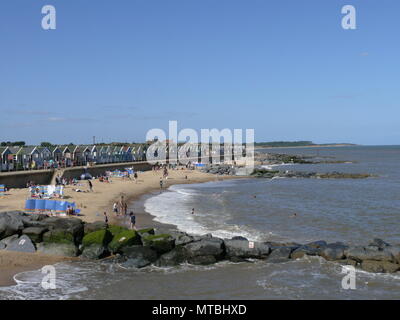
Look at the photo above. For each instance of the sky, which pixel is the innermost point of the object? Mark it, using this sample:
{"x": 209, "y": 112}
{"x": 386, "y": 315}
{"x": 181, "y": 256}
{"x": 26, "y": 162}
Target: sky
{"x": 115, "y": 69}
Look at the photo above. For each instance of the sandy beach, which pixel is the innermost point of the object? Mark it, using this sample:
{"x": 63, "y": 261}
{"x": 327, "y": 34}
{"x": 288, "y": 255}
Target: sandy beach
{"x": 92, "y": 205}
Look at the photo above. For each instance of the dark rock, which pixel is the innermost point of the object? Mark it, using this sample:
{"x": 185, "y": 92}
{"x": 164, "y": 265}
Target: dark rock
{"x": 245, "y": 249}
{"x": 10, "y": 223}
{"x": 94, "y": 252}
{"x": 304, "y": 250}
{"x": 361, "y": 253}
{"x": 175, "y": 257}
{"x": 203, "y": 260}
{"x": 101, "y": 238}
{"x": 317, "y": 244}
{"x": 35, "y": 233}
{"x": 59, "y": 236}
{"x": 58, "y": 249}
{"x": 182, "y": 238}
{"x": 395, "y": 251}
{"x": 161, "y": 243}
{"x": 239, "y": 238}
{"x": 8, "y": 240}
{"x": 348, "y": 262}
{"x": 72, "y": 226}
{"x": 123, "y": 239}
{"x": 206, "y": 247}
{"x": 22, "y": 244}
{"x": 138, "y": 256}
{"x": 205, "y": 236}
{"x": 280, "y": 254}
{"x": 94, "y": 226}
{"x": 379, "y": 243}
{"x": 333, "y": 251}
{"x": 379, "y": 266}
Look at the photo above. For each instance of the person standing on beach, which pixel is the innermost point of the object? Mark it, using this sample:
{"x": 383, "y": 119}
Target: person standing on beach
{"x": 106, "y": 219}
{"x": 132, "y": 218}
{"x": 135, "y": 177}
{"x": 125, "y": 208}
{"x": 161, "y": 183}
{"x": 90, "y": 186}
{"x": 115, "y": 209}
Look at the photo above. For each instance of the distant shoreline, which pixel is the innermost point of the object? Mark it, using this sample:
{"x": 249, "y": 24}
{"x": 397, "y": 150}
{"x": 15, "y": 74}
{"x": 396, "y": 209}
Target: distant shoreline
{"x": 310, "y": 146}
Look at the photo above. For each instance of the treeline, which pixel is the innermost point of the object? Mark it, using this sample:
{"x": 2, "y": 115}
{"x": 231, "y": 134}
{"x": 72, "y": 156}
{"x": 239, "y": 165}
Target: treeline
{"x": 11, "y": 143}
{"x": 285, "y": 144}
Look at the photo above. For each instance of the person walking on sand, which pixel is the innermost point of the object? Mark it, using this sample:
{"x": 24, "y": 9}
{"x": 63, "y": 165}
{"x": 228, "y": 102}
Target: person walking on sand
{"x": 90, "y": 186}
{"x": 115, "y": 208}
{"x": 106, "y": 219}
{"x": 161, "y": 183}
{"x": 135, "y": 177}
{"x": 132, "y": 218}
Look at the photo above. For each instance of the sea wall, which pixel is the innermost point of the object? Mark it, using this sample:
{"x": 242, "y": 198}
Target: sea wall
{"x": 43, "y": 177}
{"x": 20, "y": 179}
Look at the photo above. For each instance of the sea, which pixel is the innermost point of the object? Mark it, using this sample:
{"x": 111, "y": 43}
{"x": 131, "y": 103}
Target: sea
{"x": 354, "y": 211}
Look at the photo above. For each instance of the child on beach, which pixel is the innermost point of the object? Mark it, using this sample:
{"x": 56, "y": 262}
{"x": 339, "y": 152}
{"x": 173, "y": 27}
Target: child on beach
{"x": 132, "y": 218}
{"x": 115, "y": 208}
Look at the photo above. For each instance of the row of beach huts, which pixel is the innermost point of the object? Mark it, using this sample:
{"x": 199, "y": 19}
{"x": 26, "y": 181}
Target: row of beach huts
{"x": 37, "y": 157}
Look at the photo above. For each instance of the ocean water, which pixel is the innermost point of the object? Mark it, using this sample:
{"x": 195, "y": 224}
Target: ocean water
{"x": 352, "y": 211}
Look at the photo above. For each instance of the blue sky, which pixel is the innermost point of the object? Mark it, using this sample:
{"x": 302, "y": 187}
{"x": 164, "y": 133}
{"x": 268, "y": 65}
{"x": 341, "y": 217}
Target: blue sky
{"x": 115, "y": 69}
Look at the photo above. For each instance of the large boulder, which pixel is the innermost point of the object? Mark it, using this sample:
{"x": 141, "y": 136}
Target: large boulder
{"x": 333, "y": 251}
{"x": 206, "y": 247}
{"x": 124, "y": 239}
{"x": 379, "y": 266}
{"x": 395, "y": 251}
{"x": 146, "y": 232}
{"x": 94, "y": 226}
{"x": 94, "y": 244}
{"x": 161, "y": 243}
{"x": 100, "y": 237}
{"x": 303, "y": 251}
{"x": 35, "y": 233}
{"x": 365, "y": 253}
{"x": 22, "y": 244}
{"x": 72, "y": 226}
{"x": 59, "y": 236}
{"x": 175, "y": 257}
{"x": 317, "y": 244}
{"x": 203, "y": 260}
{"x": 94, "y": 251}
{"x": 10, "y": 223}
{"x": 280, "y": 254}
{"x": 138, "y": 256}
{"x": 182, "y": 238}
{"x": 58, "y": 249}
{"x": 8, "y": 240}
{"x": 244, "y": 249}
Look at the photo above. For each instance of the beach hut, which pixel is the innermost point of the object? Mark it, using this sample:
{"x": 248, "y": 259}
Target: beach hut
{"x": 57, "y": 154}
{"x": 126, "y": 154}
{"x": 4, "y": 157}
{"x": 28, "y": 157}
{"x": 67, "y": 155}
